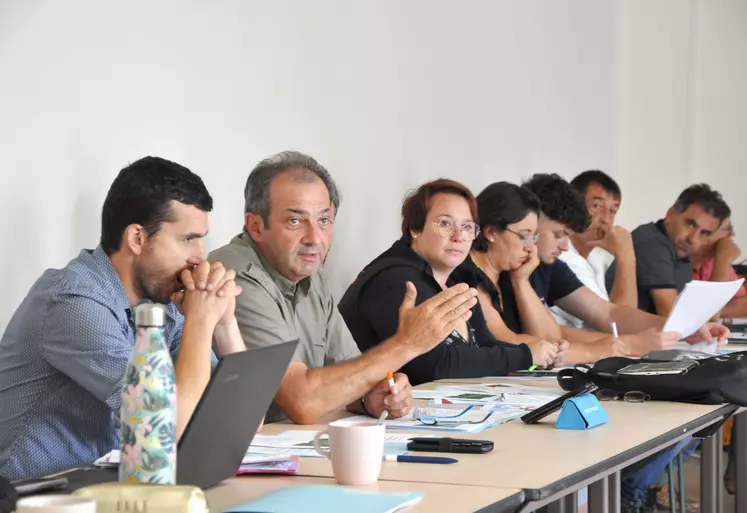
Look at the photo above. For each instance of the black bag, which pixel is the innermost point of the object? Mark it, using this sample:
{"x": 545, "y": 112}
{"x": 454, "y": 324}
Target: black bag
{"x": 716, "y": 380}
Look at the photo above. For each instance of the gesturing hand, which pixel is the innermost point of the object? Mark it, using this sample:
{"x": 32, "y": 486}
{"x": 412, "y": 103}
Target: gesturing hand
{"x": 423, "y": 327}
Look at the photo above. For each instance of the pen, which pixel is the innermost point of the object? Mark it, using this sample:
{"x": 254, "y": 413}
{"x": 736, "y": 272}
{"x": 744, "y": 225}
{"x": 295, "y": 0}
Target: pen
{"x": 532, "y": 368}
{"x": 614, "y": 330}
{"x": 390, "y": 380}
{"x": 419, "y": 459}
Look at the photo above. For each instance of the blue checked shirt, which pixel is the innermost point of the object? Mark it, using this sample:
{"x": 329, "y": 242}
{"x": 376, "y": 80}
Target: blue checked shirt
{"x": 62, "y": 359}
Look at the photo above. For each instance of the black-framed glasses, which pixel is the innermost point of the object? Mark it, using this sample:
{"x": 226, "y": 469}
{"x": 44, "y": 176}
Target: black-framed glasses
{"x": 526, "y": 240}
{"x": 447, "y": 227}
{"x": 628, "y": 397}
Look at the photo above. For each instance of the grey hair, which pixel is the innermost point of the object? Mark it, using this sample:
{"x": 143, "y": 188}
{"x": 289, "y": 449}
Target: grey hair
{"x": 257, "y": 190}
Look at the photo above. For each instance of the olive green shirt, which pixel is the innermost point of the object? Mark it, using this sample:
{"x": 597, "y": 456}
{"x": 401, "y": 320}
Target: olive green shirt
{"x": 271, "y": 309}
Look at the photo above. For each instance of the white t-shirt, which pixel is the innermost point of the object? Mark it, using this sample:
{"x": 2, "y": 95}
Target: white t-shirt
{"x": 591, "y": 272}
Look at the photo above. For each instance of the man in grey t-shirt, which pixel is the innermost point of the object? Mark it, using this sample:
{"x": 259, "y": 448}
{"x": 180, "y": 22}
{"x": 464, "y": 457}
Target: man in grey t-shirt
{"x": 291, "y": 203}
{"x": 663, "y": 249}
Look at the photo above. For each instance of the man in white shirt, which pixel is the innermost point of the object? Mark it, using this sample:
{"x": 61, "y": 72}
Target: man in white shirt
{"x": 591, "y": 253}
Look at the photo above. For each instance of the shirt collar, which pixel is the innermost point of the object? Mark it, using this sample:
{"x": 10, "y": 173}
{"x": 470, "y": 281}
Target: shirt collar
{"x": 403, "y": 249}
{"x": 286, "y": 286}
{"x": 113, "y": 283}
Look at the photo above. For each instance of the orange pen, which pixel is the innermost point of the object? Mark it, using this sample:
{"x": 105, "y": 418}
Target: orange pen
{"x": 390, "y": 380}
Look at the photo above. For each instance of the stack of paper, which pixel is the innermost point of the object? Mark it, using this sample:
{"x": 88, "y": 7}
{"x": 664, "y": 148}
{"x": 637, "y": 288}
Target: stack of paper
{"x": 268, "y": 465}
{"x": 465, "y": 419}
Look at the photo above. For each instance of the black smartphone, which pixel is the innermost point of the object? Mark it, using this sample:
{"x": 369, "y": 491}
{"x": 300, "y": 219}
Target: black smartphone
{"x": 433, "y": 444}
{"x": 32, "y": 486}
{"x": 542, "y": 373}
{"x": 554, "y": 405}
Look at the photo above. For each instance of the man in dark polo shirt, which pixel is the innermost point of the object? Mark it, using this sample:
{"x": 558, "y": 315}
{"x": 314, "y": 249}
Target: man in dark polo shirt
{"x": 663, "y": 249}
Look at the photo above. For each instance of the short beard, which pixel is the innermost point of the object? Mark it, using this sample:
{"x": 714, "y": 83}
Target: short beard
{"x": 147, "y": 286}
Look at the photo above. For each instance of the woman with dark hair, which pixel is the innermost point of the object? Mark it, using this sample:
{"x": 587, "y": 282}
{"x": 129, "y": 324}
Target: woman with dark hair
{"x": 439, "y": 223}
{"x": 503, "y": 257}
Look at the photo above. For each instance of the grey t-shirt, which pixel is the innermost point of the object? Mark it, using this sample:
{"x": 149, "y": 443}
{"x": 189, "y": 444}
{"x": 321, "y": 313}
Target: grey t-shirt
{"x": 271, "y": 309}
{"x": 657, "y": 264}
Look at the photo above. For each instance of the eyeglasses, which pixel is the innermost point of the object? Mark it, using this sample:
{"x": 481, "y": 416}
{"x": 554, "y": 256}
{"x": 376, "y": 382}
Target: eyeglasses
{"x": 628, "y": 397}
{"x": 447, "y": 228}
{"x": 526, "y": 240}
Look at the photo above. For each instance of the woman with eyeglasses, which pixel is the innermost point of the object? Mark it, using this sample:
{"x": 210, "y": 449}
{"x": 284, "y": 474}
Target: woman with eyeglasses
{"x": 503, "y": 257}
{"x": 439, "y": 223}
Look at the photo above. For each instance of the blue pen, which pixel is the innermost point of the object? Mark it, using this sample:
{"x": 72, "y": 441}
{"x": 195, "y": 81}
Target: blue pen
{"x": 419, "y": 459}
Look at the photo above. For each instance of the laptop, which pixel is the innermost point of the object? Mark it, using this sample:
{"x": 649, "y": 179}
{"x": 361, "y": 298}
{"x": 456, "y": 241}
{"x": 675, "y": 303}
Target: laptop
{"x": 223, "y": 425}
{"x": 224, "y": 422}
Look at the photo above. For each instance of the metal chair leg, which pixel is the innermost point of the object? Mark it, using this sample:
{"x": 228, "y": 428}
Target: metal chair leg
{"x": 670, "y": 474}
{"x": 681, "y": 481}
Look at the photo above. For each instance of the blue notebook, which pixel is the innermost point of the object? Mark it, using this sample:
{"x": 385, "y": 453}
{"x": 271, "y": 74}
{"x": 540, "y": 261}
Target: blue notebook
{"x": 327, "y": 499}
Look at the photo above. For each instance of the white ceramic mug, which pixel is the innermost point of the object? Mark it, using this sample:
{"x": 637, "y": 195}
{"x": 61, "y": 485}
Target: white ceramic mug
{"x": 356, "y": 450}
{"x": 56, "y": 504}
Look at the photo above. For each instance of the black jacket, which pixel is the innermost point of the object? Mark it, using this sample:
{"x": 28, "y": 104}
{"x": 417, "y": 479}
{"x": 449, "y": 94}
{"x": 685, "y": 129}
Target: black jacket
{"x": 370, "y": 308}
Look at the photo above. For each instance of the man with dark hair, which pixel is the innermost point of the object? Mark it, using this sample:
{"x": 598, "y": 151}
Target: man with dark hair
{"x": 291, "y": 204}
{"x": 564, "y": 212}
{"x": 64, "y": 352}
{"x": 714, "y": 262}
{"x": 591, "y": 252}
{"x": 663, "y": 249}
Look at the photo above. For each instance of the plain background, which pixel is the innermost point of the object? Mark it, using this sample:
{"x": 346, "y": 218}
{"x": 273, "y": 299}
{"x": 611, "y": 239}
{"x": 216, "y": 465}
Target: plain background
{"x": 386, "y": 93}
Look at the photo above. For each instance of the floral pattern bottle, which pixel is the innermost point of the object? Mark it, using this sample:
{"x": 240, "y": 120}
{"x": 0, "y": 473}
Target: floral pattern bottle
{"x": 148, "y": 415}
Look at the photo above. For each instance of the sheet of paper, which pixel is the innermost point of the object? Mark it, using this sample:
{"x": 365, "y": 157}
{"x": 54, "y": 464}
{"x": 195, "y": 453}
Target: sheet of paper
{"x": 703, "y": 347}
{"x": 108, "y": 460}
{"x": 465, "y": 419}
{"x": 698, "y": 302}
{"x": 296, "y": 442}
{"x": 429, "y": 394}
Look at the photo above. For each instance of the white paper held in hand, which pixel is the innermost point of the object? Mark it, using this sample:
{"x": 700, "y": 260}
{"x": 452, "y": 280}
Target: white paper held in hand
{"x": 697, "y": 303}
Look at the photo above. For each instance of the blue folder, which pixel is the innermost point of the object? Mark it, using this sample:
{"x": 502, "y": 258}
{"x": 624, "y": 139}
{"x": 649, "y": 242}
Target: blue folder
{"x": 327, "y": 499}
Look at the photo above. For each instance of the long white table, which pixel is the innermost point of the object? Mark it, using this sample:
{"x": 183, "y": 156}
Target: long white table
{"x": 549, "y": 464}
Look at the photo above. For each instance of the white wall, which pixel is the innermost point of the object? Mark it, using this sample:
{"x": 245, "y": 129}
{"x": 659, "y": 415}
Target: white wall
{"x": 386, "y": 94}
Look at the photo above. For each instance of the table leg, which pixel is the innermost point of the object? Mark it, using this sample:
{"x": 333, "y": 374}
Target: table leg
{"x": 556, "y": 507}
{"x": 571, "y": 502}
{"x": 708, "y": 473}
{"x": 614, "y": 489}
{"x": 599, "y": 496}
{"x": 740, "y": 453}
{"x": 718, "y": 486}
